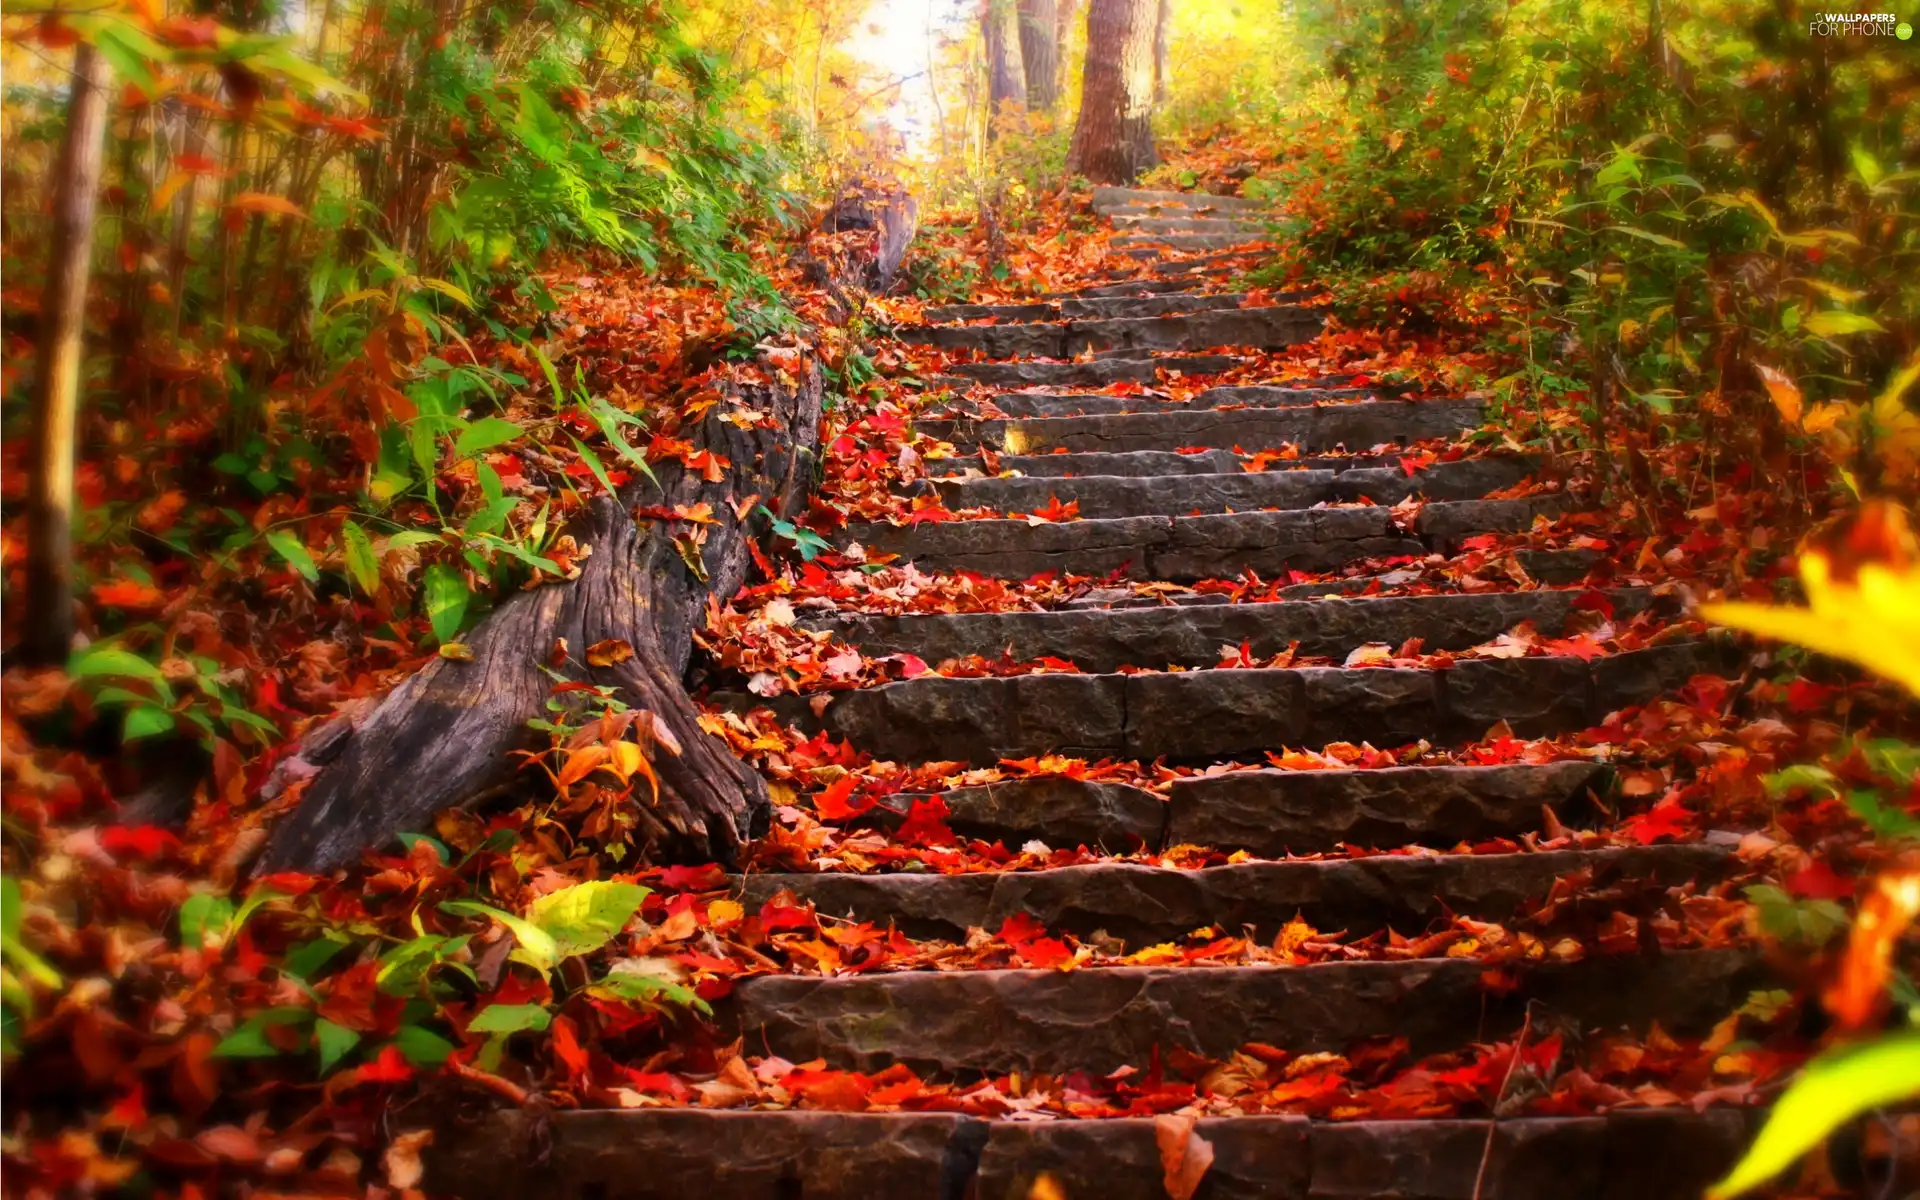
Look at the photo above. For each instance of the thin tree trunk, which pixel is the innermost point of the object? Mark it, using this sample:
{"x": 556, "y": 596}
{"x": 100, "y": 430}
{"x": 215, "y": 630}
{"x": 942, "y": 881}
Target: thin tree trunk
{"x": 1113, "y": 137}
{"x": 1006, "y": 77}
{"x": 1162, "y": 66}
{"x": 1040, "y": 52}
{"x": 48, "y": 634}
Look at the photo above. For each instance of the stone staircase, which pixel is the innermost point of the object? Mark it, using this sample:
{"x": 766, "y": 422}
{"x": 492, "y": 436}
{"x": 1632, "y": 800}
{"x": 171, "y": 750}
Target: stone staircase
{"x": 1162, "y": 496}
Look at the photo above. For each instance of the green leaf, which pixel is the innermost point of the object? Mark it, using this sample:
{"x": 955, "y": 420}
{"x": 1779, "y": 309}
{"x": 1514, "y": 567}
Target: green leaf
{"x": 631, "y": 987}
{"x": 363, "y": 567}
{"x": 1839, "y": 324}
{"x": 485, "y": 434}
{"x": 1810, "y": 776}
{"x": 250, "y": 1039}
{"x": 537, "y": 948}
{"x": 287, "y": 544}
{"x": 445, "y": 595}
{"x": 593, "y": 464}
{"x": 582, "y": 918}
{"x": 1647, "y": 235}
{"x": 510, "y": 1018}
{"x": 204, "y": 917}
{"x": 333, "y": 1042}
{"x": 111, "y": 661}
{"x": 1833, "y": 1089}
{"x": 146, "y": 720}
{"x": 404, "y": 968}
{"x": 305, "y": 961}
{"x": 423, "y": 1047}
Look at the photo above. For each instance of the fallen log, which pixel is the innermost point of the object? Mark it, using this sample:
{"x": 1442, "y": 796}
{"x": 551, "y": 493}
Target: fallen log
{"x": 444, "y": 737}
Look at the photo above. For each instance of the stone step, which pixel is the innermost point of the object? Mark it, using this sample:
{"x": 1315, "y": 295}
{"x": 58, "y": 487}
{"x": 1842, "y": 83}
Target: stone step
{"x": 1144, "y": 464}
{"x": 1104, "y": 496}
{"x": 1144, "y": 906}
{"x": 1273, "y": 813}
{"x": 1117, "y": 197}
{"x": 1276, "y": 813}
{"x": 1214, "y": 715}
{"x": 676, "y": 1153}
{"x": 1081, "y": 404}
{"x": 1098, "y": 373}
{"x": 1184, "y": 241}
{"x": 1151, "y": 223}
{"x": 1186, "y": 548}
{"x": 1122, "y": 287}
{"x": 1546, "y": 568}
{"x": 1355, "y": 426}
{"x": 1263, "y": 328}
{"x": 1070, "y": 308}
{"x": 1103, "y": 640}
{"x": 1098, "y": 1020}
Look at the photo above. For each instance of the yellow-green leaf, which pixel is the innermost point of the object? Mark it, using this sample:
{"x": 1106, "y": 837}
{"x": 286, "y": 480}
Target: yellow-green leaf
{"x": 1832, "y": 1090}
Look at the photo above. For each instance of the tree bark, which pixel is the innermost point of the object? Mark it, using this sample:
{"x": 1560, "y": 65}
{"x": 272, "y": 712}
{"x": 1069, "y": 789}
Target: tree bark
{"x": 443, "y": 738}
{"x": 1040, "y": 52}
{"x": 47, "y": 634}
{"x": 1162, "y": 62}
{"x": 1113, "y": 137}
{"x": 1006, "y": 77}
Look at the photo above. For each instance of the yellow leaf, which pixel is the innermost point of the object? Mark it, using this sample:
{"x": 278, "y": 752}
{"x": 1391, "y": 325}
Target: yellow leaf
{"x": 1873, "y": 621}
{"x": 1784, "y": 391}
{"x": 725, "y": 912}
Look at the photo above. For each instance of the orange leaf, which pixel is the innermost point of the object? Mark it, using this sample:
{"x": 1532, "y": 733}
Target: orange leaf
{"x": 264, "y": 202}
{"x": 607, "y": 653}
{"x": 1184, "y": 1154}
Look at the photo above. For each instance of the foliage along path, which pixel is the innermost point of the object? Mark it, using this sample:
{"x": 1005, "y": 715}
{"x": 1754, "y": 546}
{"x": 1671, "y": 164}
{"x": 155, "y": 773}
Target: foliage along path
{"x": 1257, "y": 750}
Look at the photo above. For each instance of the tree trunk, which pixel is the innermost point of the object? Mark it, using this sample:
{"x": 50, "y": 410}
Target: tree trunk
{"x": 1113, "y": 137}
{"x": 1040, "y": 52}
{"x": 1006, "y": 77}
{"x": 1162, "y": 66}
{"x": 443, "y": 738}
{"x": 47, "y": 635}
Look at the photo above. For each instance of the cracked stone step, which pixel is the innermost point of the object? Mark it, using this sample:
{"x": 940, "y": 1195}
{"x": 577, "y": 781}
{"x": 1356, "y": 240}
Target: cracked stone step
{"x": 1186, "y": 548}
{"x": 1103, "y": 641}
{"x": 674, "y": 1153}
{"x": 1355, "y": 426}
{"x": 1111, "y": 496}
{"x": 1263, "y": 328}
{"x": 1144, "y": 906}
{"x": 1099, "y": 1020}
{"x": 1098, "y": 373}
{"x": 1215, "y": 715}
{"x": 1105, "y": 197}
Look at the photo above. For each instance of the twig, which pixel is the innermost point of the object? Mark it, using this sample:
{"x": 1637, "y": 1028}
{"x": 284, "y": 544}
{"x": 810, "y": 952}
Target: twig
{"x": 1493, "y": 1122}
{"x": 506, "y": 1089}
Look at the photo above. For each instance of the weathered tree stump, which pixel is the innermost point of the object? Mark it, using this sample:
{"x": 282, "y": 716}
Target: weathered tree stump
{"x": 443, "y": 738}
